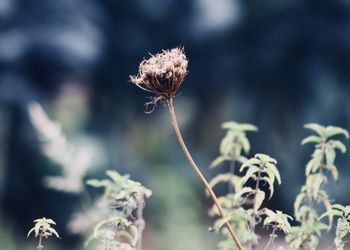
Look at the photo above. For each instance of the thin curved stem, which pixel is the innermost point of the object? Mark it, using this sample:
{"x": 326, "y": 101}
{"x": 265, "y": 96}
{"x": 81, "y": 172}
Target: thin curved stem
{"x": 199, "y": 173}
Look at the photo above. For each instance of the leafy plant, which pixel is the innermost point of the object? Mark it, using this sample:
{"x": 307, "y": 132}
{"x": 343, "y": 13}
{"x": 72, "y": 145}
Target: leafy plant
{"x": 242, "y": 203}
{"x": 43, "y": 229}
{"x": 307, "y": 234}
{"x": 123, "y": 227}
{"x": 343, "y": 224}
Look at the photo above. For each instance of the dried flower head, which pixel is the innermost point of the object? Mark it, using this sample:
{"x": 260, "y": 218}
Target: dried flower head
{"x": 162, "y": 74}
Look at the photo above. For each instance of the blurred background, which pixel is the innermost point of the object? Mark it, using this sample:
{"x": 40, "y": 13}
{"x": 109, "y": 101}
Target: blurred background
{"x": 275, "y": 63}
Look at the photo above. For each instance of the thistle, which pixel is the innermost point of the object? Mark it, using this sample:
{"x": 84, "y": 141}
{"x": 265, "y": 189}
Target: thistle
{"x": 163, "y": 74}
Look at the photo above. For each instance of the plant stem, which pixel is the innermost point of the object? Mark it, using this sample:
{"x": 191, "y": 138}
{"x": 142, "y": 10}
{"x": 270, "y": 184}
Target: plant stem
{"x": 232, "y": 171}
{"x": 40, "y": 246}
{"x": 140, "y": 221}
{"x": 252, "y": 221}
{"x": 199, "y": 173}
{"x": 272, "y": 237}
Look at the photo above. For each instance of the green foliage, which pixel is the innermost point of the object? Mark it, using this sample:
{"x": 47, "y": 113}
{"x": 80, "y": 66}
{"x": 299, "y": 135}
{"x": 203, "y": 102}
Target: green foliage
{"x": 242, "y": 204}
{"x": 343, "y": 223}
{"x": 325, "y": 149}
{"x": 43, "y": 229}
{"x": 277, "y": 220}
{"x": 121, "y": 228}
{"x": 261, "y": 168}
{"x": 307, "y": 234}
{"x": 234, "y": 142}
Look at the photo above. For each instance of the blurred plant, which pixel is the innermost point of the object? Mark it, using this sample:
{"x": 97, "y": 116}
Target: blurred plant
{"x": 343, "y": 224}
{"x": 261, "y": 168}
{"x": 307, "y": 235}
{"x": 43, "y": 229}
{"x": 163, "y": 74}
{"x": 74, "y": 161}
{"x": 124, "y": 225}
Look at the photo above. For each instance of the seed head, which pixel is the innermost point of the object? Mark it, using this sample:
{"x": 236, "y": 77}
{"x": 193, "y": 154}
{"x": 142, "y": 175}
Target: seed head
{"x": 162, "y": 74}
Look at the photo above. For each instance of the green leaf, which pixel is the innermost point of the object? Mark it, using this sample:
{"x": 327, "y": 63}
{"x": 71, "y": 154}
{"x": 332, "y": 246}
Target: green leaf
{"x": 330, "y": 156}
{"x": 334, "y": 171}
{"x": 249, "y": 174}
{"x": 329, "y": 209}
{"x": 221, "y": 178}
{"x": 265, "y": 158}
{"x": 297, "y": 204}
{"x": 98, "y": 226}
{"x": 311, "y": 138}
{"x": 339, "y": 145}
{"x": 339, "y": 207}
{"x": 218, "y": 161}
{"x": 249, "y": 163}
{"x": 53, "y": 231}
{"x": 313, "y": 184}
{"x": 332, "y": 213}
{"x": 275, "y": 171}
{"x": 98, "y": 183}
{"x": 259, "y": 198}
{"x": 243, "y": 191}
{"x": 239, "y": 126}
{"x": 245, "y": 142}
{"x": 30, "y": 231}
{"x": 316, "y": 127}
{"x": 270, "y": 183}
{"x": 332, "y": 131}
{"x": 309, "y": 167}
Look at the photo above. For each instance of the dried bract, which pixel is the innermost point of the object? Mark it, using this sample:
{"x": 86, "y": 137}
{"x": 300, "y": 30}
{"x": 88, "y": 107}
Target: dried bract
{"x": 162, "y": 74}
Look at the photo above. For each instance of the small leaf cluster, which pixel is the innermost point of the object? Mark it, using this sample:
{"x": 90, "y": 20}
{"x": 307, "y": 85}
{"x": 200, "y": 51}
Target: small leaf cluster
{"x": 343, "y": 224}
{"x": 307, "y": 234}
{"x": 120, "y": 229}
{"x": 242, "y": 204}
{"x": 261, "y": 168}
{"x": 234, "y": 143}
{"x": 43, "y": 229}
